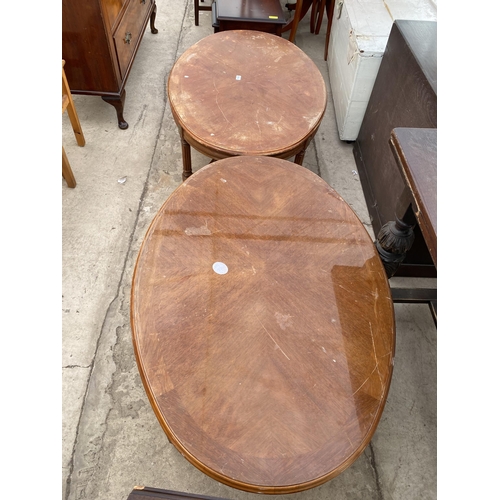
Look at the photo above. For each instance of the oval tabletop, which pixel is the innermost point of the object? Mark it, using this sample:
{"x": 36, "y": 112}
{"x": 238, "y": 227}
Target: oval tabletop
{"x": 263, "y": 325}
{"x": 247, "y": 92}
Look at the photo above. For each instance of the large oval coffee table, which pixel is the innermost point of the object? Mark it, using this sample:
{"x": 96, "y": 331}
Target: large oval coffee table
{"x": 243, "y": 92}
{"x": 263, "y": 325}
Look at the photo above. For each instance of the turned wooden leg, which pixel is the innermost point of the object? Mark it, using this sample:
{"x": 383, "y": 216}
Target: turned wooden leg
{"x": 118, "y": 103}
{"x": 394, "y": 240}
{"x": 186, "y": 159}
{"x": 152, "y": 21}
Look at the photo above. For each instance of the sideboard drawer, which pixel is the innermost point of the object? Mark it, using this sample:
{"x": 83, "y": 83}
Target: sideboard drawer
{"x": 128, "y": 33}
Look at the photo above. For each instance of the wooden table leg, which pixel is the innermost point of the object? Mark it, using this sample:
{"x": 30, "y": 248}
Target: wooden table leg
{"x": 301, "y": 8}
{"x": 330, "y": 5}
{"x": 396, "y": 237}
{"x": 394, "y": 240}
{"x": 187, "y": 170}
{"x": 299, "y": 157}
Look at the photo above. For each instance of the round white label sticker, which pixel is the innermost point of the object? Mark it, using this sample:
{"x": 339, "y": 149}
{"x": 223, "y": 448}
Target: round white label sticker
{"x": 220, "y": 267}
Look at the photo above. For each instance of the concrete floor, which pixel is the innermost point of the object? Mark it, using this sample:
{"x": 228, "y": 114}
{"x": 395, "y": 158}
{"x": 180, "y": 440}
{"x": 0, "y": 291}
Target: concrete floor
{"x": 111, "y": 437}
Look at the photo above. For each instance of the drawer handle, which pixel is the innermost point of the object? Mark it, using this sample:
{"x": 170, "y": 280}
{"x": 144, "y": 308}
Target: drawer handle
{"x": 128, "y": 37}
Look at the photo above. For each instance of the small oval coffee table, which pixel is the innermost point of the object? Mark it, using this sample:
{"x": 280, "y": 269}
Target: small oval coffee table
{"x": 243, "y": 92}
{"x": 263, "y": 325}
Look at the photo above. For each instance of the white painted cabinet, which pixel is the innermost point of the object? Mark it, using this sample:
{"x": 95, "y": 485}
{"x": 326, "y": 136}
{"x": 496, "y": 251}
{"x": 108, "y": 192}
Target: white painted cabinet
{"x": 360, "y": 31}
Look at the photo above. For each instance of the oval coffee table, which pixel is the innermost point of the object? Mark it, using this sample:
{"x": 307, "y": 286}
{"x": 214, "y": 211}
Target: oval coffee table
{"x": 243, "y": 92}
{"x": 263, "y": 325}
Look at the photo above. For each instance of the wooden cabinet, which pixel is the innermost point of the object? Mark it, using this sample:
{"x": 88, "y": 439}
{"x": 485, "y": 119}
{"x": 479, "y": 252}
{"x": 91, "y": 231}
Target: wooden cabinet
{"x": 99, "y": 41}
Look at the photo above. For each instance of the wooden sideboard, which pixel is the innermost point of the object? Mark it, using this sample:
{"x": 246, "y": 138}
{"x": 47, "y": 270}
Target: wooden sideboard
{"x": 99, "y": 41}
{"x": 404, "y": 95}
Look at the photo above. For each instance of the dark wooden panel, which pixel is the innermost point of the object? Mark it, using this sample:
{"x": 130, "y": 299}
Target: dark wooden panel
{"x": 85, "y": 48}
{"x": 113, "y": 10}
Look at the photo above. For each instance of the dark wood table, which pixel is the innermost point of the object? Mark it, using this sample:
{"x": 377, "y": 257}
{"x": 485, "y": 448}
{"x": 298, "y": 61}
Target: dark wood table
{"x": 263, "y": 325}
{"x": 260, "y": 15}
{"x": 404, "y": 95}
{"x": 245, "y": 92}
{"x": 415, "y": 150}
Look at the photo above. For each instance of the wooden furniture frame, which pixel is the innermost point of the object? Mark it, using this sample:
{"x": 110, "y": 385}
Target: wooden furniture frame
{"x": 247, "y": 107}
{"x": 263, "y": 325}
{"x": 69, "y": 106}
{"x": 100, "y": 39}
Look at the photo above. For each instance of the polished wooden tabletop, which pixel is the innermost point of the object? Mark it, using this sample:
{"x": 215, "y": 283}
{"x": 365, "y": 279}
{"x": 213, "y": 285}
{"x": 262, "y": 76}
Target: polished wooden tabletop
{"x": 415, "y": 150}
{"x": 263, "y": 325}
{"x": 243, "y": 92}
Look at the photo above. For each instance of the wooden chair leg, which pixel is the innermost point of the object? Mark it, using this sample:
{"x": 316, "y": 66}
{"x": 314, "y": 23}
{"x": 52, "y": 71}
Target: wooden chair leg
{"x": 312, "y": 23}
{"x": 67, "y": 173}
{"x": 295, "y": 22}
{"x": 73, "y": 116}
{"x": 75, "y": 123}
{"x": 329, "y": 14}
{"x": 320, "y": 16}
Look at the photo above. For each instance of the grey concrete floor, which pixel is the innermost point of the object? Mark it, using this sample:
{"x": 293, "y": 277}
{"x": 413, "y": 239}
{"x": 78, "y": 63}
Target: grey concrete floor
{"x": 110, "y": 435}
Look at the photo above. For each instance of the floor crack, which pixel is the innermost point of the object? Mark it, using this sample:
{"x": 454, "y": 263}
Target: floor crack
{"x": 373, "y": 465}
{"x": 91, "y": 366}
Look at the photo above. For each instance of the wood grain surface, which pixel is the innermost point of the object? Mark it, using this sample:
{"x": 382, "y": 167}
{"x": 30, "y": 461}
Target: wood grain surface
{"x": 270, "y": 378}
{"x": 245, "y": 92}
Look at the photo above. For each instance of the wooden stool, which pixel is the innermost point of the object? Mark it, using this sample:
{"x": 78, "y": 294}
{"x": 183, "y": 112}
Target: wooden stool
{"x": 69, "y": 105}
{"x": 263, "y": 325}
{"x": 245, "y": 93}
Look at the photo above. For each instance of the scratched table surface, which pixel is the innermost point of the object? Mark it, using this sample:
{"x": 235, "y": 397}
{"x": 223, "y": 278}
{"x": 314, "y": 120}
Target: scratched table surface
{"x": 246, "y": 92}
{"x": 263, "y": 325}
